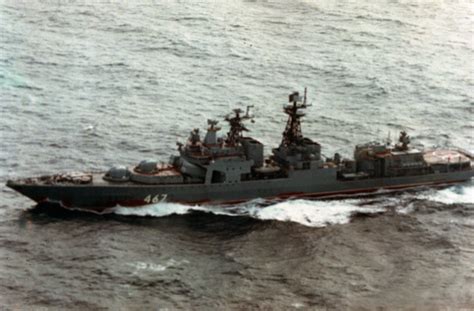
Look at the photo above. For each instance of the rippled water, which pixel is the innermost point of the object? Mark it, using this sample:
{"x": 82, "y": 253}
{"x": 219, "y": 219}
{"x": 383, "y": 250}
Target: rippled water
{"x": 89, "y": 84}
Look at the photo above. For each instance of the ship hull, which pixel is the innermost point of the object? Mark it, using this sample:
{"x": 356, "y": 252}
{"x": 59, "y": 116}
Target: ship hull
{"x": 104, "y": 197}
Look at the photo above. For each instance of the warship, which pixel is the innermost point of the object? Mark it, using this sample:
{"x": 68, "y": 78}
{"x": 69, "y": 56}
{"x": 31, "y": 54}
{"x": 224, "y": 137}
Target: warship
{"x": 232, "y": 168}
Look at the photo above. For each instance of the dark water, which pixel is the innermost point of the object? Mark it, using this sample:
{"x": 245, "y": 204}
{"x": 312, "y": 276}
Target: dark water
{"x": 90, "y": 84}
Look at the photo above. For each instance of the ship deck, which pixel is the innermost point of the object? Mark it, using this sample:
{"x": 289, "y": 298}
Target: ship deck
{"x": 445, "y": 156}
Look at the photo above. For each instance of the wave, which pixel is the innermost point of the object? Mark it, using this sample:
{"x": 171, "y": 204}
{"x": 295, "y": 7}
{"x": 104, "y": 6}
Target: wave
{"x": 459, "y": 194}
{"x": 148, "y": 267}
{"x": 306, "y": 212}
{"x": 156, "y": 210}
{"x": 313, "y": 213}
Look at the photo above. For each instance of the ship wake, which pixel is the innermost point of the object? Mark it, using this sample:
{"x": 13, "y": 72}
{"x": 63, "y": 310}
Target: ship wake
{"x": 460, "y": 194}
{"x": 305, "y": 212}
{"x": 314, "y": 213}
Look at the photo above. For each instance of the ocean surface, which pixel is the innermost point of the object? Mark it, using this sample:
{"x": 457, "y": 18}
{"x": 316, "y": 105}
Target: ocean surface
{"x": 85, "y": 85}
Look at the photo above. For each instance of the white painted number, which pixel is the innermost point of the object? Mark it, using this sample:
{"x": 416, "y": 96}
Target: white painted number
{"x": 155, "y": 199}
{"x": 147, "y": 199}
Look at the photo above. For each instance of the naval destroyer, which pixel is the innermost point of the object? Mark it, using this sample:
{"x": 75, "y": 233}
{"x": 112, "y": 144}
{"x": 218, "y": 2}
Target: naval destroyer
{"x": 232, "y": 168}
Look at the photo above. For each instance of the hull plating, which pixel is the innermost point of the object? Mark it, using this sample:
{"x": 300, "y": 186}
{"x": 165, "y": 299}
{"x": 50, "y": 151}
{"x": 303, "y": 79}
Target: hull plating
{"x": 105, "y": 196}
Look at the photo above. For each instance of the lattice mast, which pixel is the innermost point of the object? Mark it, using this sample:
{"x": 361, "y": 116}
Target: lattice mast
{"x": 293, "y": 134}
{"x": 237, "y": 126}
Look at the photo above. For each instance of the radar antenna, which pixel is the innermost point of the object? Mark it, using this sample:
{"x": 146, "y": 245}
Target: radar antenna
{"x": 403, "y": 141}
{"x": 236, "y": 124}
{"x": 212, "y": 125}
{"x": 293, "y": 133}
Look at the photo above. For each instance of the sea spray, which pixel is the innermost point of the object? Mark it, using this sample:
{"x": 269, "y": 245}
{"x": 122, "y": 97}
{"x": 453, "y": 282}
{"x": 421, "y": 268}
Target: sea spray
{"x": 459, "y": 194}
{"x": 312, "y": 213}
{"x": 305, "y": 212}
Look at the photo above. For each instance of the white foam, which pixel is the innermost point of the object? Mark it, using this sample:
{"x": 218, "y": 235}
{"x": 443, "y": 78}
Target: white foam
{"x": 312, "y": 213}
{"x": 297, "y": 305}
{"x": 140, "y": 265}
{"x": 155, "y": 210}
{"x": 153, "y": 267}
{"x": 305, "y": 212}
{"x": 405, "y": 209}
{"x": 453, "y": 195}
{"x": 309, "y": 212}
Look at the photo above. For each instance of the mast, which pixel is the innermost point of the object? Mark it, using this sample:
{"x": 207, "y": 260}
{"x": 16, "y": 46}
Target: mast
{"x": 293, "y": 134}
{"x": 236, "y": 125}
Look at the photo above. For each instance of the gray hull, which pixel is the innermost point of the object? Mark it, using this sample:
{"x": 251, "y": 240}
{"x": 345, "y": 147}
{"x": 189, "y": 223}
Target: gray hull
{"x": 102, "y": 196}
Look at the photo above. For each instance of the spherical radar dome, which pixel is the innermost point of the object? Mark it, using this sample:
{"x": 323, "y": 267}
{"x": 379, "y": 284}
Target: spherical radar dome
{"x": 147, "y": 167}
{"x": 118, "y": 173}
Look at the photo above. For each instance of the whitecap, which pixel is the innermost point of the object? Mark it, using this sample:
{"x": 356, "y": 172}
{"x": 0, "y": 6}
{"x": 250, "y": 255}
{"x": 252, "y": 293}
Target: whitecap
{"x": 306, "y": 212}
{"x": 155, "y": 210}
{"x": 460, "y": 194}
{"x": 155, "y": 267}
{"x": 313, "y": 213}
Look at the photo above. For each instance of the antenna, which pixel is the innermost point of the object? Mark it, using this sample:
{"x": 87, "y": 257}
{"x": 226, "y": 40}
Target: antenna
{"x": 212, "y": 125}
{"x": 292, "y": 133}
{"x": 304, "y": 99}
{"x": 247, "y": 113}
{"x": 236, "y": 124}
